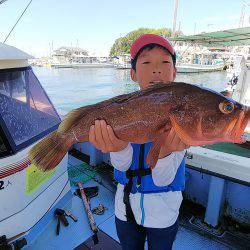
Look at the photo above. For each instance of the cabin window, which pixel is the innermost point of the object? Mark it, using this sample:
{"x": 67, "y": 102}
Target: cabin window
{"x": 25, "y": 109}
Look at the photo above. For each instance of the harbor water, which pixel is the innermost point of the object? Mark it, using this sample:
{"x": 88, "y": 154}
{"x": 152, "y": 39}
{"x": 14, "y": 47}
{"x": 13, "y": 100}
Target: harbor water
{"x": 72, "y": 88}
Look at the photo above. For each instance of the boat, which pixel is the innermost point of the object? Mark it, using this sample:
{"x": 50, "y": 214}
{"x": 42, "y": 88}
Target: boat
{"x": 122, "y": 61}
{"x": 198, "y": 68}
{"x": 82, "y": 65}
{"x": 60, "y": 65}
{"x": 71, "y": 57}
{"x": 27, "y": 115}
{"x": 196, "y": 59}
{"x": 124, "y": 65}
{"x": 213, "y": 214}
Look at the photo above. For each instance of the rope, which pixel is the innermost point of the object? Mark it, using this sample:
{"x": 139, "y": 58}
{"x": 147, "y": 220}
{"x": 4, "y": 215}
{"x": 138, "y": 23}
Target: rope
{"x": 17, "y": 21}
{"x": 2, "y": 1}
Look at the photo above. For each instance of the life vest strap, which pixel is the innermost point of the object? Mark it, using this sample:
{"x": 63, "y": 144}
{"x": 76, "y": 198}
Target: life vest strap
{"x": 138, "y": 172}
{"x": 130, "y": 174}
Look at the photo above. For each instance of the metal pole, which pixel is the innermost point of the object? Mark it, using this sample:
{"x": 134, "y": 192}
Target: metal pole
{"x": 87, "y": 209}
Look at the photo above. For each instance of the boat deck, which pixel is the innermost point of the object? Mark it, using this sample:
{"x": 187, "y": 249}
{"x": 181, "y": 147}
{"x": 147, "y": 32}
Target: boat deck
{"x": 230, "y": 148}
{"x": 78, "y": 234}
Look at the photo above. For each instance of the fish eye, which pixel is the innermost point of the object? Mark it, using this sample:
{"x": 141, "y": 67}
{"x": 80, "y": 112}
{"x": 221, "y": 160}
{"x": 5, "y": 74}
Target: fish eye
{"x": 226, "y": 107}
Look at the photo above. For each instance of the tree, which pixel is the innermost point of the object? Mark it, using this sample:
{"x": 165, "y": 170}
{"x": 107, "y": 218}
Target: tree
{"x": 122, "y": 44}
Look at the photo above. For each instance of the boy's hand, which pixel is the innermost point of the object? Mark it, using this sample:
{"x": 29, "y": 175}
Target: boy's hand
{"x": 102, "y": 137}
{"x": 171, "y": 144}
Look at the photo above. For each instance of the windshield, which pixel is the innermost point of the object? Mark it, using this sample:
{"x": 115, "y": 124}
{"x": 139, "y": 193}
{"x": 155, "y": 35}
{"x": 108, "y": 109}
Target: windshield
{"x": 25, "y": 109}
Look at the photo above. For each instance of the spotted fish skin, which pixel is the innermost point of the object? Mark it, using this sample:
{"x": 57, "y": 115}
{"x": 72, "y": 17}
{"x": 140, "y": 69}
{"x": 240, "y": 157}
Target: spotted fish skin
{"x": 199, "y": 116}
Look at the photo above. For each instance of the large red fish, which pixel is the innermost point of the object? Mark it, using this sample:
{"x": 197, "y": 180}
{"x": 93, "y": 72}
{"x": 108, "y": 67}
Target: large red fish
{"x": 199, "y": 116}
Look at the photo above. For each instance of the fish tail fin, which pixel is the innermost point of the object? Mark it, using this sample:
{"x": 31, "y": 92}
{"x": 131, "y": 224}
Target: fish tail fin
{"x": 48, "y": 153}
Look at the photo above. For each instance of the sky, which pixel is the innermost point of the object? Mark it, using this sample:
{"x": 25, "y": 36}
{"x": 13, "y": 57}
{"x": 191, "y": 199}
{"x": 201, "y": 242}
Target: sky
{"x": 94, "y": 25}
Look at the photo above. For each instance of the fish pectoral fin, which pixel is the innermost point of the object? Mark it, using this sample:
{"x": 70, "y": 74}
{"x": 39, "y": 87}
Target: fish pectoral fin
{"x": 154, "y": 152}
{"x": 185, "y": 138}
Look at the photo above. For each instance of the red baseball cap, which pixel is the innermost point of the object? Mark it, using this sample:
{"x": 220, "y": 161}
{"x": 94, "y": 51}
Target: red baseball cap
{"x": 149, "y": 39}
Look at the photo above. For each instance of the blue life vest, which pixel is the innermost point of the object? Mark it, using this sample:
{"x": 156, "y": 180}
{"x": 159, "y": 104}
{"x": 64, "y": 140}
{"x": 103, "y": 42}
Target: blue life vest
{"x": 147, "y": 184}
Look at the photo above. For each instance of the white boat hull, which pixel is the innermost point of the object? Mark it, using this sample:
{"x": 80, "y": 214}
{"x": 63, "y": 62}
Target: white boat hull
{"x": 83, "y": 65}
{"x": 123, "y": 66}
{"x": 195, "y": 68}
{"x": 26, "y": 195}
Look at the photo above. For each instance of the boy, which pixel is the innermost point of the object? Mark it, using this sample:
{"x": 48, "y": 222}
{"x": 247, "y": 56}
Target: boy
{"x": 147, "y": 202}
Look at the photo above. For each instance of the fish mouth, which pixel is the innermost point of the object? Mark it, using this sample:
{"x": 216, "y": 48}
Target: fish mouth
{"x": 238, "y": 126}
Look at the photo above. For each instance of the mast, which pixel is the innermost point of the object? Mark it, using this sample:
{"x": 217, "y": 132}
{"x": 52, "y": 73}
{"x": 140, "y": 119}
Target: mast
{"x": 176, "y": 2}
{"x": 243, "y": 12}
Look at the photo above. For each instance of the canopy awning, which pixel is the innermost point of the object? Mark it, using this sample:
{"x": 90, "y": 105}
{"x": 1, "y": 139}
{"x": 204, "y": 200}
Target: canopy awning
{"x": 231, "y": 37}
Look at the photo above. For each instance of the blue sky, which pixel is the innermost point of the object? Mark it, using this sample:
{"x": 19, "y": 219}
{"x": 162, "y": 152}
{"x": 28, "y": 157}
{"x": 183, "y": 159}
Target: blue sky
{"x": 95, "y": 24}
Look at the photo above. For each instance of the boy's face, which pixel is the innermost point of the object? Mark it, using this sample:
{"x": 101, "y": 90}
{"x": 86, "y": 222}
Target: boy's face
{"x": 153, "y": 66}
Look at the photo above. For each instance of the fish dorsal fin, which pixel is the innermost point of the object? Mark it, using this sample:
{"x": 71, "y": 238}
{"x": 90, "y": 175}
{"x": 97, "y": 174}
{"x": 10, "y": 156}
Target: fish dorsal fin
{"x": 73, "y": 117}
{"x": 124, "y": 98}
{"x": 130, "y": 96}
